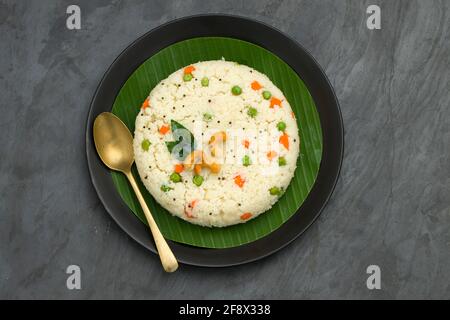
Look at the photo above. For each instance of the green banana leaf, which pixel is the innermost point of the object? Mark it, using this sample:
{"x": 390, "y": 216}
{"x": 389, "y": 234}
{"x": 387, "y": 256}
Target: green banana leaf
{"x": 178, "y": 55}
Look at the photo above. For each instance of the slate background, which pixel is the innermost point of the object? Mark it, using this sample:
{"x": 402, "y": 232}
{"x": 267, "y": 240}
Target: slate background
{"x": 390, "y": 207}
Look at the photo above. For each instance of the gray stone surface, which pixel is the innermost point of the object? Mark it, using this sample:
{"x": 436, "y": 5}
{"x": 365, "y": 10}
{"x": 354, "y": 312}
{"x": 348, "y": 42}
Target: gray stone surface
{"x": 390, "y": 208}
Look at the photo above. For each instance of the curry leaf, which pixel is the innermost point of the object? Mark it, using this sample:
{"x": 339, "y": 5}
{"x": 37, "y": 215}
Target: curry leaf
{"x": 184, "y": 142}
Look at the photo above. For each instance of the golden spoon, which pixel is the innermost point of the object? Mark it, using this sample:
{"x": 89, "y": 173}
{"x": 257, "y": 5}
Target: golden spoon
{"x": 114, "y": 145}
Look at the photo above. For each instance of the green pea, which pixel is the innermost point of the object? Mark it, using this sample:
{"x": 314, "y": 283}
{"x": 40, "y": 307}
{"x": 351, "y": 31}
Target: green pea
{"x": 281, "y": 161}
{"x": 197, "y": 180}
{"x": 207, "y": 116}
{"x": 281, "y": 126}
{"x": 275, "y": 191}
{"x": 252, "y": 112}
{"x": 266, "y": 95}
{"x": 175, "y": 177}
{"x": 187, "y": 77}
{"x": 145, "y": 144}
{"x": 246, "y": 161}
{"x": 236, "y": 90}
{"x": 205, "y": 82}
{"x": 165, "y": 188}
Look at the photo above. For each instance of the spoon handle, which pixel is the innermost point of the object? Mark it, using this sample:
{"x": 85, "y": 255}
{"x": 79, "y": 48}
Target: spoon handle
{"x": 166, "y": 255}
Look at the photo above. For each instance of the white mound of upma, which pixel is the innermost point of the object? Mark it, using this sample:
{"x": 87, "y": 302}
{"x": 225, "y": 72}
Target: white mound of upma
{"x": 246, "y": 143}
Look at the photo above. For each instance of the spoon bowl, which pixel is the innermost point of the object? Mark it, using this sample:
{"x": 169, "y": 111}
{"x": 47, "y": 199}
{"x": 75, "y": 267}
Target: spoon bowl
{"x": 113, "y": 142}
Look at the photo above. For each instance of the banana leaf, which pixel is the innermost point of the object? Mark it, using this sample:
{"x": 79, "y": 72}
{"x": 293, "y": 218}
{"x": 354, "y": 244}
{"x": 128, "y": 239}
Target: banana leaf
{"x": 178, "y": 55}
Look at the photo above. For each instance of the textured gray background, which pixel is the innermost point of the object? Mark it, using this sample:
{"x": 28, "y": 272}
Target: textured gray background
{"x": 390, "y": 208}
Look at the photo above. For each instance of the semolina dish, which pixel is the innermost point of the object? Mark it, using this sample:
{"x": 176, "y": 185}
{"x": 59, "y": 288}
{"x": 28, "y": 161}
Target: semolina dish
{"x": 216, "y": 143}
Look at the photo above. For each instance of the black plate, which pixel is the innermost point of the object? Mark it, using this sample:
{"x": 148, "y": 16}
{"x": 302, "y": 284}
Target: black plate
{"x": 285, "y": 48}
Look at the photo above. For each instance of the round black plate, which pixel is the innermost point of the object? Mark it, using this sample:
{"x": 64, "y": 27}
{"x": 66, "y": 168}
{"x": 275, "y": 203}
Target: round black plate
{"x": 285, "y": 48}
